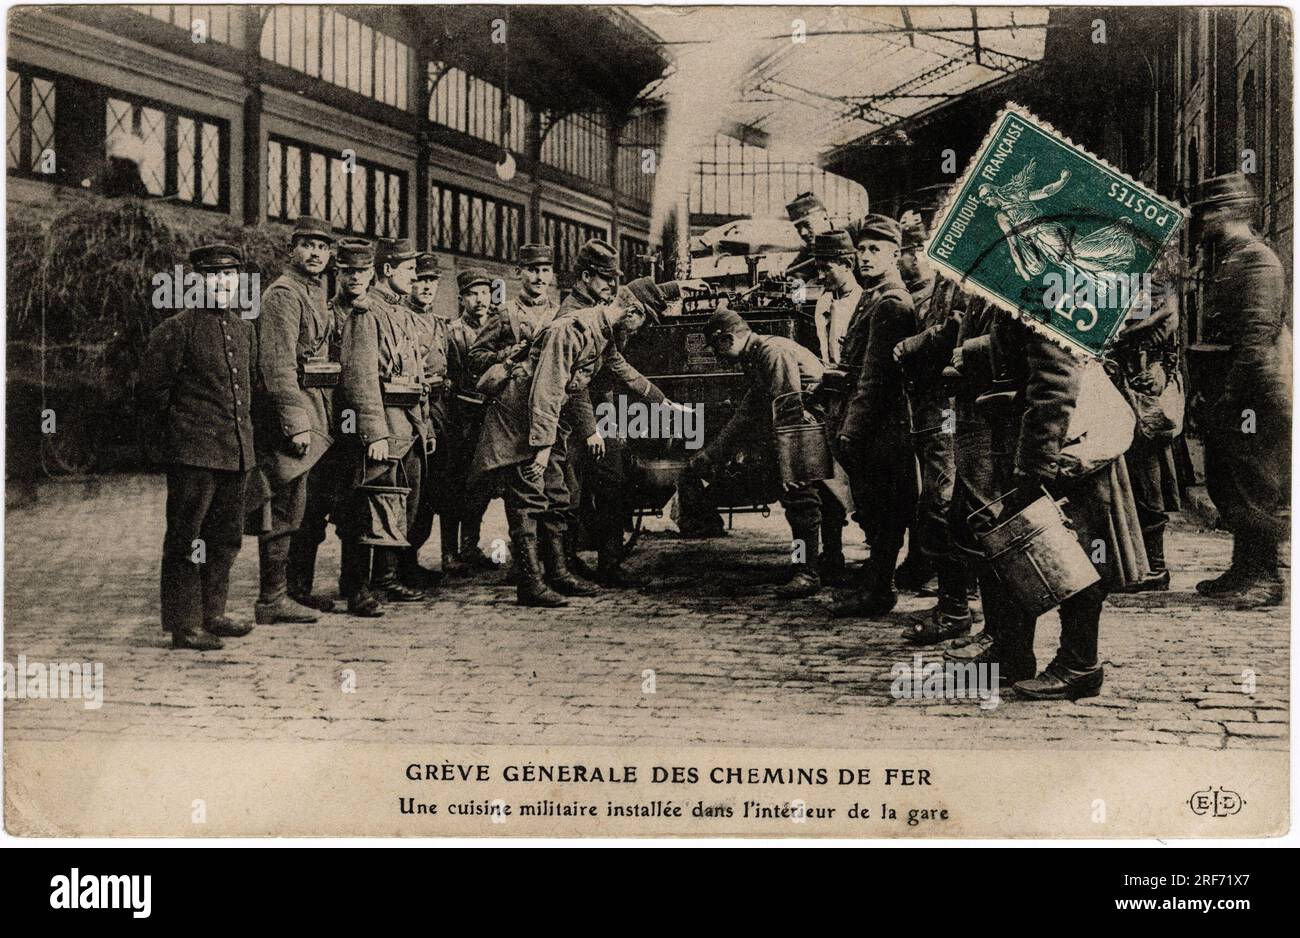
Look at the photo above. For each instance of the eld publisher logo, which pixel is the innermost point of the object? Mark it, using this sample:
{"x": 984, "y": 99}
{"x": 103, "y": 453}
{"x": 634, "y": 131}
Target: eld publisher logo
{"x": 76, "y": 891}
{"x": 1216, "y": 802}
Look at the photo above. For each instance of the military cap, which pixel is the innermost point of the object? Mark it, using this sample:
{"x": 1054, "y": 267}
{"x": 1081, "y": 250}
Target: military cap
{"x": 913, "y": 236}
{"x": 878, "y": 228}
{"x": 426, "y": 267}
{"x": 804, "y": 204}
{"x": 833, "y": 245}
{"x": 724, "y": 320}
{"x": 1228, "y": 189}
{"x": 309, "y": 226}
{"x": 216, "y": 256}
{"x": 599, "y": 257}
{"x": 530, "y": 255}
{"x": 354, "y": 254}
{"x": 395, "y": 251}
{"x": 472, "y": 277}
{"x": 650, "y": 296}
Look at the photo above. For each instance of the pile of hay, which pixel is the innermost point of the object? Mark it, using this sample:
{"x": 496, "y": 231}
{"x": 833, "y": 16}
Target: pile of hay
{"x": 81, "y": 277}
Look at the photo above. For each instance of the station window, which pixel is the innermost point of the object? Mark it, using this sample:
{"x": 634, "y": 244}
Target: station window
{"x": 220, "y": 23}
{"x": 565, "y": 236}
{"x": 579, "y": 145}
{"x": 180, "y": 154}
{"x": 30, "y": 106}
{"x": 357, "y": 196}
{"x": 327, "y": 45}
{"x": 473, "y": 224}
{"x": 639, "y": 152}
{"x": 474, "y": 106}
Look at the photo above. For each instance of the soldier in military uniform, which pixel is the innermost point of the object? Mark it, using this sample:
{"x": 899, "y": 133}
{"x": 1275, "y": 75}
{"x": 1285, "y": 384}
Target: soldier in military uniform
{"x": 933, "y": 424}
{"x": 526, "y": 432}
{"x": 399, "y": 372}
{"x": 1248, "y": 425}
{"x": 873, "y": 437}
{"x": 782, "y": 375}
{"x": 195, "y": 386}
{"x": 508, "y": 330}
{"x": 331, "y": 485}
{"x": 294, "y": 417}
{"x": 433, "y": 335}
{"x": 810, "y": 219}
{"x": 1026, "y": 386}
{"x": 462, "y": 520}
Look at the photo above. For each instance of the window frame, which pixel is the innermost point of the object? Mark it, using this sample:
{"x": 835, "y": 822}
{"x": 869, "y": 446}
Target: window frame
{"x": 506, "y": 251}
{"x": 306, "y": 152}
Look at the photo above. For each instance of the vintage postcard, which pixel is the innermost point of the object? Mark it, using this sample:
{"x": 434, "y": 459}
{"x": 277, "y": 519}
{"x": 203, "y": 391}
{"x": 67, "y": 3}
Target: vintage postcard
{"x": 648, "y": 421}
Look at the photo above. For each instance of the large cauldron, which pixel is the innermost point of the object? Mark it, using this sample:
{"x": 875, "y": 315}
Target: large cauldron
{"x": 675, "y": 356}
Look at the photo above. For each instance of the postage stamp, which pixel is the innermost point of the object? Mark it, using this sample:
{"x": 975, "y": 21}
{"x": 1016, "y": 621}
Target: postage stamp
{"x": 1041, "y": 227}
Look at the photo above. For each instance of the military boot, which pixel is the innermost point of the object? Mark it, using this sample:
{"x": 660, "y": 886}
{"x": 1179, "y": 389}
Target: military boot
{"x": 577, "y": 566}
{"x": 914, "y": 572}
{"x": 283, "y": 609}
{"x": 1232, "y": 579}
{"x": 805, "y": 581}
{"x": 558, "y": 576}
{"x": 531, "y": 590}
{"x": 196, "y": 640}
{"x": 226, "y": 627}
{"x": 1261, "y": 586}
{"x": 1158, "y": 579}
{"x": 302, "y": 573}
{"x": 1059, "y": 681}
{"x": 470, "y": 554}
{"x": 873, "y": 600}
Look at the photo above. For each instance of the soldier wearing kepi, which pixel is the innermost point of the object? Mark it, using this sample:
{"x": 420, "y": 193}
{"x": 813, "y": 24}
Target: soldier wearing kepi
{"x": 295, "y": 418}
{"x": 399, "y": 370}
{"x": 433, "y": 334}
{"x": 782, "y": 375}
{"x": 934, "y": 423}
{"x": 810, "y": 219}
{"x": 1248, "y": 438}
{"x": 195, "y": 385}
{"x": 362, "y": 432}
{"x": 508, "y": 330}
{"x": 462, "y": 521}
{"x": 524, "y": 438}
{"x": 873, "y": 438}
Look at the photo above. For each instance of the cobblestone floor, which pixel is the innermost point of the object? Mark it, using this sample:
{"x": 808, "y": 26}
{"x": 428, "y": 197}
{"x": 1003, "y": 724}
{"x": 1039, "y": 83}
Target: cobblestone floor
{"x": 731, "y": 665}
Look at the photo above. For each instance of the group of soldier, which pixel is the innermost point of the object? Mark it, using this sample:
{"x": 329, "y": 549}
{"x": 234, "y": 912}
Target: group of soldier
{"x": 947, "y": 414}
{"x": 371, "y": 410}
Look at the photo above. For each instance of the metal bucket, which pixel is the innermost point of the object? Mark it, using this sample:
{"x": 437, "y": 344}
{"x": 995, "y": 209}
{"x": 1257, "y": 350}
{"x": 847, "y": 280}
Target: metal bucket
{"x": 1037, "y": 557}
{"x": 803, "y": 453}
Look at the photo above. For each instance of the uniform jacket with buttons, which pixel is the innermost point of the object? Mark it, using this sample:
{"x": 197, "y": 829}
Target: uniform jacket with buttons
{"x": 1247, "y": 298}
{"x": 295, "y": 324}
{"x": 195, "y": 388}
{"x": 618, "y": 371}
{"x": 517, "y": 321}
{"x": 536, "y": 406}
{"x": 381, "y": 344}
{"x": 776, "y": 367}
{"x": 875, "y": 415}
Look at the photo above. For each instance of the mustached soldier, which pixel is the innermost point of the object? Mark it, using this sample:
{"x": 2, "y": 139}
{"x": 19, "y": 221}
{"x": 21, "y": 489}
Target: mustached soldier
{"x": 294, "y": 419}
{"x": 359, "y": 424}
{"x": 433, "y": 334}
{"x": 782, "y": 374}
{"x": 399, "y": 371}
{"x": 508, "y": 330}
{"x": 525, "y": 435}
{"x": 873, "y": 438}
{"x": 195, "y": 384}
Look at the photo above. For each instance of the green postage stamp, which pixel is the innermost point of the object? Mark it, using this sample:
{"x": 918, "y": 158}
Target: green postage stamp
{"x": 1040, "y": 227}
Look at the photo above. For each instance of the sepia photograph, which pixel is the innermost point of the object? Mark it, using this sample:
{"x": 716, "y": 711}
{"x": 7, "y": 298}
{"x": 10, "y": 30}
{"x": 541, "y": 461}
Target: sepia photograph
{"x": 529, "y": 420}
